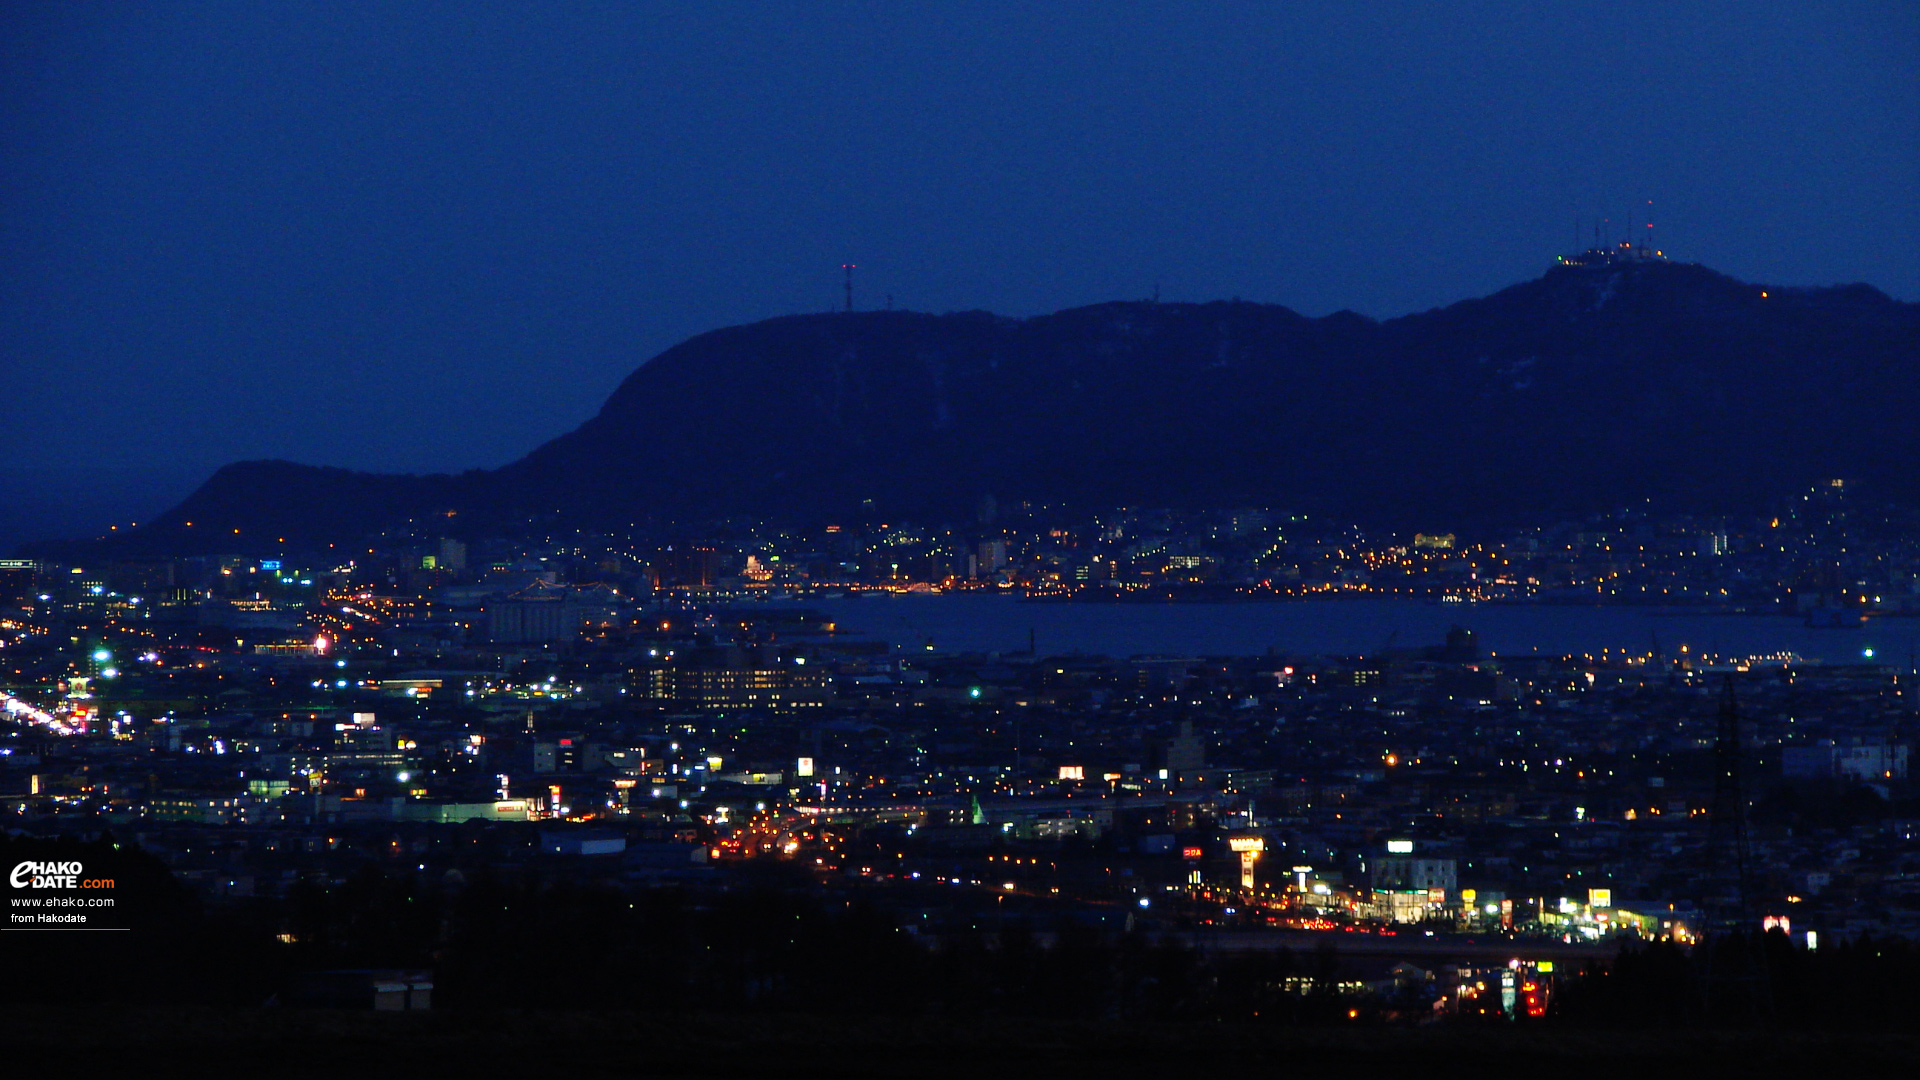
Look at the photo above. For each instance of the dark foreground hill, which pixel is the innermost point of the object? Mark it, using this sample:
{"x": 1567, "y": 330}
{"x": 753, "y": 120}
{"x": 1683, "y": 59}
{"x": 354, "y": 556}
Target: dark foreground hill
{"x": 1579, "y": 392}
{"x": 328, "y": 1044}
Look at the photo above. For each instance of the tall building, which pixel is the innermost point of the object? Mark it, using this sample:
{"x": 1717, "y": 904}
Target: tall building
{"x": 989, "y": 557}
{"x": 687, "y": 566}
{"x": 1186, "y": 752}
{"x": 17, "y": 579}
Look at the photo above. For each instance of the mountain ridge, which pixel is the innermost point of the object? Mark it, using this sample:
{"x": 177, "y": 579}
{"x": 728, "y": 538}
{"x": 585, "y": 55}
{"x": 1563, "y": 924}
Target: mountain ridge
{"x": 1572, "y": 393}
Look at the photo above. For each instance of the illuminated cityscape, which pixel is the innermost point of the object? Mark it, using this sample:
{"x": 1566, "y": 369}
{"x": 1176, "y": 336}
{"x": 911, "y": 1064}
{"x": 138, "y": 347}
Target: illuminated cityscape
{"x": 959, "y": 540}
{"x": 1467, "y": 830}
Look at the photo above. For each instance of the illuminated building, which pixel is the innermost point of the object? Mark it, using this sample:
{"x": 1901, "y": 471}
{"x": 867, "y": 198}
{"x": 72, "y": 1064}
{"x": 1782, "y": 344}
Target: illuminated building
{"x": 201, "y": 809}
{"x": 1866, "y": 762}
{"x": 17, "y": 579}
{"x": 736, "y": 678}
{"x": 1408, "y": 887}
{"x": 549, "y": 613}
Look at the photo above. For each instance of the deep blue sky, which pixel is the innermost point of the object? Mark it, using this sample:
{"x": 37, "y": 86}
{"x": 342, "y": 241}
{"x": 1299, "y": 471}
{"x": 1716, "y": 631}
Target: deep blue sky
{"x": 414, "y": 236}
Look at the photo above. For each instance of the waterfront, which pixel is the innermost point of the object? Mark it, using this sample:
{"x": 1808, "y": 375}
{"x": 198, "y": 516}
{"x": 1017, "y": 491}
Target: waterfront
{"x": 989, "y": 623}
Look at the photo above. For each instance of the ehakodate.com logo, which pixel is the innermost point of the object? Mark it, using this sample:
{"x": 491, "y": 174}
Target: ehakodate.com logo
{"x": 54, "y": 875}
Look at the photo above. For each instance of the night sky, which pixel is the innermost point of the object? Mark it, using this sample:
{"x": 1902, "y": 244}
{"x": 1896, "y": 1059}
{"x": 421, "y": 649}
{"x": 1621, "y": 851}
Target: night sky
{"x": 414, "y": 236}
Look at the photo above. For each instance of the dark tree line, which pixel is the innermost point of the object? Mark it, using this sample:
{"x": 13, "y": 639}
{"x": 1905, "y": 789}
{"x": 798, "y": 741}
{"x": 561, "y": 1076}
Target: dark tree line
{"x": 498, "y": 942}
{"x": 1751, "y": 980}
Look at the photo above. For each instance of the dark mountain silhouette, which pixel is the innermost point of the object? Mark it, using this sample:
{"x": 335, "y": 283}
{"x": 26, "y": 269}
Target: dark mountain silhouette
{"x": 1582, "y": 391}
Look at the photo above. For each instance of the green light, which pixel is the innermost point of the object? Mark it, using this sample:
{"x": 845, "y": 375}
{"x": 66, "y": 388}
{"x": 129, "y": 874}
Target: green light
{"x": 974, "y": 692}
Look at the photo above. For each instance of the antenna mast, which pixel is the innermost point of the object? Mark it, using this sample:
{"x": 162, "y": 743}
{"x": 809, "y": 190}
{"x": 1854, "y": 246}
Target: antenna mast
{"x": 847, "y": 268}
{"x": 1727, "y": 826}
